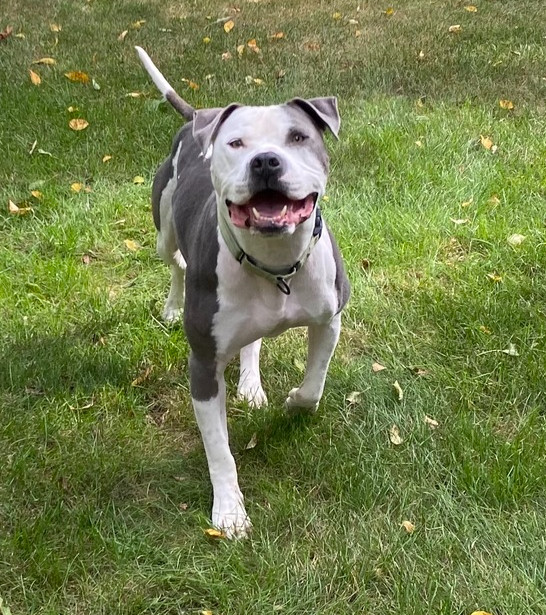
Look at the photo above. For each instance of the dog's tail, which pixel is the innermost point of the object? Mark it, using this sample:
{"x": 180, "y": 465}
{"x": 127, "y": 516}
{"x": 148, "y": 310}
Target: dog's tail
{"x": 165, "y": 87}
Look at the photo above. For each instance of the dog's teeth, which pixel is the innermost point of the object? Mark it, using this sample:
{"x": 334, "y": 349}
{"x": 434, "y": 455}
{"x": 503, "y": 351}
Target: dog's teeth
{"x": 283, "y": 211}
{"x": 256, "y": 214}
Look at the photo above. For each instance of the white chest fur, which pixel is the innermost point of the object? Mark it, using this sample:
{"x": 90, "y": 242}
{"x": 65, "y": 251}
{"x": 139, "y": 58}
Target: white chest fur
{"x": 250, "y": 307}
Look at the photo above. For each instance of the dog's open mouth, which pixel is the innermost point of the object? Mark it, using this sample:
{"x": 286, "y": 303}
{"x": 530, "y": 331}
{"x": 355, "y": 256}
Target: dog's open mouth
{"x": 271, "y": 211}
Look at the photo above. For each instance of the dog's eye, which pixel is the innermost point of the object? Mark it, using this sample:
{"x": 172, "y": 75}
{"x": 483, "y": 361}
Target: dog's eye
{"x": 236, "y": 143}
{"x": 298, "y": 137}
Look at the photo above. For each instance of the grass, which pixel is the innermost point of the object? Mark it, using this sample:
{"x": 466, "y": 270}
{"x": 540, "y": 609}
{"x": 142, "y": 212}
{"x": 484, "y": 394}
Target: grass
{"x": 103, "y": 487}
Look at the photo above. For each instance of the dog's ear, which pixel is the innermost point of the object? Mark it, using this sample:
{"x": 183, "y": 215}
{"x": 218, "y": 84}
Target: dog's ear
{"x": 323, "y": 111}
{"x": 207, "y": 122}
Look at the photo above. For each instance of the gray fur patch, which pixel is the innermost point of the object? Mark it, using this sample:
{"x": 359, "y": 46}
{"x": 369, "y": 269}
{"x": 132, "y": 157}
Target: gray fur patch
{"x": 343, "y": 287}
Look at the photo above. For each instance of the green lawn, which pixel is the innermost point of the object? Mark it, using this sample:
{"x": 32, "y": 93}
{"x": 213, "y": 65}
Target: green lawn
{"x": 104, "y": 492}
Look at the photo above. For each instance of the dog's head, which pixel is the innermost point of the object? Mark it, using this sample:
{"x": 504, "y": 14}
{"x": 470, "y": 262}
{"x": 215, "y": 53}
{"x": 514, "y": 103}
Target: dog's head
{"x": 268, "y": 164}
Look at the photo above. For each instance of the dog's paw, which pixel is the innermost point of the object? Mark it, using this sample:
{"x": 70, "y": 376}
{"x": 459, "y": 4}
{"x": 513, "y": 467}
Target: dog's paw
{"x": 172, "y": 313}
{"x": 229, "y": 516}
{"x": 297, "y": 400}
{"x": 253, "y": 394}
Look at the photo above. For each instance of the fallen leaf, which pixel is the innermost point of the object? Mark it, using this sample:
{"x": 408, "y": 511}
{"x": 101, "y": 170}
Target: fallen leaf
{"x": 354, "y": 398}
{"x": 229, "y": 25}
{"x": 516, "y": 239}
{"x": 390, "y": 12}
{"x": 131, "y": 245}
{"x": 299, "y": 364}
{"x": 432, "y": 423}
{"x": 72, "y": 109}
{"x": 226, "y": 55}
{"x": 106, "y": 158}
{"x": 486, "y": 142}
{"x": 471, "y": 8}
{"x": 258, "y": 81}
{"x": 6, "y": 32}
{"x": 506, "y": 104}
{"x": 34, "y": 77}
{"x": 419, "y": 143}
{"x": 134, "y": 94}
{"x": 55, "y": 27}
{"x": 252, "y": 442}
{"x": 353, "y": 22}
{"x": 212, "y": 532}
{"x": 78, "y": 124}
{"x": 18, "y": 211}
{"x": 240, "y": 50}
{"x": 419, "y": 371}
{"x": 20, "y": 35}
{"x": 495, "y": 277}
{"x": 398, "y": 390}
{"x": 76, "y": 187}
{"x": 136, "y": 25}
{"x": 95, "y": 84}
{"x": 467, "y": 203}
{"x": 206, "y": 40}
{"x": 421, "y": 55}
{"x": 377, "y": 367}
{"x": 336, "y": 15}
{"x": 394, "y": 435}
{"x": 459, "y": 220}
{"x": 78, "y": 76}
{"x": 358, "y": 33}
{"x": 122, "y": 36}
{"x": 205, "y": 613}
{"x": 46, "y": 61}
{"x": 365, "y": 263}
{"x": 183, "y": 506}
{"x": 36, "y": 194}
{"x": 277, "y": 35}
{"x": 252, "y": 45}
{"x": 138, "y": 179}
{"x": 44, "y": 153}
{"x": 86, "y": 259}
{"x": 480, "y": 613}
{"x": 485, "y": 329}
{"x": 408, "y": 526}
{"x": 191, "y": 84}
{"x": 511, "y": 351}
{"x": 494, "y": 199}
{"x": 146, "y": 373}
{"x": 456, "y": 29}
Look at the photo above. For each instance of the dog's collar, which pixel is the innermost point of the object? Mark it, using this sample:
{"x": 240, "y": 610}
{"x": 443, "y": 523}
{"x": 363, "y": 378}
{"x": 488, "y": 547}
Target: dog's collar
{"x": 279, "y": 277}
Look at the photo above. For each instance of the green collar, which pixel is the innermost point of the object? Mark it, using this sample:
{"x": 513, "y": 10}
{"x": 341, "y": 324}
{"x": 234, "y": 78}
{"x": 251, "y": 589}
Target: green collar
{"x": 279, "y": 277}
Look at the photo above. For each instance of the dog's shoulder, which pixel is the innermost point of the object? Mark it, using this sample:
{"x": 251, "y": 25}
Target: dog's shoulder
{"x": 343, "y": 287}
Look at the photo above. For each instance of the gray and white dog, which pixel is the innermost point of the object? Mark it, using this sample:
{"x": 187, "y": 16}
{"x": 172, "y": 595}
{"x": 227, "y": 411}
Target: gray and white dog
{"x": 236, "y": 210}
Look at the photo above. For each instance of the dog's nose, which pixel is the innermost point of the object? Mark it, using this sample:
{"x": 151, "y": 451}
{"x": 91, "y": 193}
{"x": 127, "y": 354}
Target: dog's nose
{"x": 267, "y": 164}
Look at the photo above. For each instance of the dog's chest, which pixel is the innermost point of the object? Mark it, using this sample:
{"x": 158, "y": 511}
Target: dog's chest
{"x": 251, "y": 307}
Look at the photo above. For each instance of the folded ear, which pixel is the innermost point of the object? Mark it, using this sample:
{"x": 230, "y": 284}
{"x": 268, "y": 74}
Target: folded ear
{"x": 207, "y": 122}
{"x": 323, "y": 111}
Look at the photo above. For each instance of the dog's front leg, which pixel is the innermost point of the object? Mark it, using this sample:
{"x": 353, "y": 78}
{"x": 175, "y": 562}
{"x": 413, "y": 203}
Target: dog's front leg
{"x": 228, "y": 510}
{"x": 321, "y": 345}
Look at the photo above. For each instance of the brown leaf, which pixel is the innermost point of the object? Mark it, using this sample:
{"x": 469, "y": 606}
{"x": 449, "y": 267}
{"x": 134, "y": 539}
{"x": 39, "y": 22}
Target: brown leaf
{"x": 487, "y": 142}
{"x": 408, "y": 526}
{"x": 277, "y": 35}
{"x": 78, "y": 124}
{"x": 229, "y": 25}
{"x": 6, "y": 32}
{"x": 15, "y": 210}
{"x": 419, "y": 371}
{"x": 212, "y": 532}
{"x": 471, "y": 8}
{"x": 34, "y": 77}
{"x": 55, "y": 27}
{"x": 456, "y": 29}
{"x": 86, "y": 259}
{"x": 46, "y": 61}
{"x": 251, "y": 44}
{"x": 377, "y": 367}
{"x": 183, "y": 506}
{"x": 394, "y": 435}
{"x": 480, "y": 613}
{"x": 122, "y": 36}
{"x": 191, "y": 84}
{"x": 146, "y": 373}
{"x": 432, "y": 423}
{"x": 506, "y": 104}
{"x": 398, "y": 389}
{"x": 106, "y": 158}
{"x": 36, "y": 194}
{"x": 365, "y": 263}
{"x": 78, "y": 76}
{"x": 226, "y": 55}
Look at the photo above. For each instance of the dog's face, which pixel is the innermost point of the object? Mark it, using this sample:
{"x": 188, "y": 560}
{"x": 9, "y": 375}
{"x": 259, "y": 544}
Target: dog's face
{"x": 269, "y": 164}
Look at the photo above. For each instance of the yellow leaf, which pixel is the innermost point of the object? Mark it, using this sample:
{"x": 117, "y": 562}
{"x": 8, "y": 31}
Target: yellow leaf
{"x": 336, "y": 15}
{"x": 480, "y": 613}
{"x": 78, "y": 124}
{"x": 138, "y": 179}
{"x": 18, "y": 211}
{"x": 421, "y": 55}
{"x": 122, "y": 36}
{"x": 136, "y": 25}
{"x": 240, "y": 50}
{"x": 34, "y": 77}
{"x": 76, "y": 187}
{"x": 55, "y": 27}
{"x": 205, "y": 613}
{"x": 46, "y": 61}
{"x": 377, "y": 367}
{"x": 506, "y": 104}
{"x": 133, "y": 246}
{"x": 20, "y": 35}
{"x": 229, "y": 25}
{"x": 460, "y": 221}
{"x": 253, "y": 46}
{"x": 419, "y": 143}
{"x": 486, "y": 142}
{"x": 78, "y": 76}
{"x": 394, "y": 435}
{"x": 106, "y": 158}
{"x": 398, "y": 390}
{"x": 456, "y": 29}
{"x": 277, "y": 35}
{"x": 485, "y": 330}
{"x": 212, "y": 532}
{"x": 408, "y": 526}
{"x": 134, "y": 94}
{"x": 389, "y": 12}
{"x": 467, "y": 203}
{"x": 258, "y": 81}
{"x": 36, "y": 194}
{"x": 495, "y": 277}
{"x": 72, "y": 109}
{"x": 146, "y": 373}
{"x": 358, "y": 33}
{"x": 432, "y": 423}
{"x": 191, "y": 84}
{"x": 516, "y": 239}
{"x": 471, "y": 8}
{"x": 206, "y": 40}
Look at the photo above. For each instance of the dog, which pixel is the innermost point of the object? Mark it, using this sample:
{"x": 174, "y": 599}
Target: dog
{"x": 236, "y": 207}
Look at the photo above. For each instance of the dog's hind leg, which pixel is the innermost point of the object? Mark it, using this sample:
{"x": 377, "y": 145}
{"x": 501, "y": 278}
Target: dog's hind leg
{"x": 250, "y": 385}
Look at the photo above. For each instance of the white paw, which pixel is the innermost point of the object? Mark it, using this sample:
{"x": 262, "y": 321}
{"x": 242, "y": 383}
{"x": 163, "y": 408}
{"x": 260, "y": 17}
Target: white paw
{"x": 252, "y": 393}
{"x": 229, "y": 515}
{"x": 172, "y": 313}
{"x": 296, "y": 399}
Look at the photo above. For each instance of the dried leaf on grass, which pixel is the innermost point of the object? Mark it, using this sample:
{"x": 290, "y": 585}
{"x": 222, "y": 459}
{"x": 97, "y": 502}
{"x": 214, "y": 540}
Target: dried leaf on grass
{"x": 45, "y": 61}
{"x": 122, "y": 36}
{"x": 229, "y": 25}
{"x": 408, "y": 526}
{"x": 6, "y": 32}
{"x": 516, "y": 239}
{"x": 106, "y": 158}
{"x": 138, "y": 179}
{"x": 55, "y": 27}
{"x": 78, "y": 76}
{"x": 471, "y": 8}
{"x": 34, "y": 77}
{"x": 398, "y": 390}
{"x": 511, "y": 351}
{"x": 78, "y": 124}
{"x": 15, "y": 210}
{"x": 143, "y": 376}
{"x": 131, "y": 245}
{"x": 432, "y": 423}
{"x": 212, "y": 532}
{"x": 394, "y": 435}
{"x": 506, "y": 104}
{"x": 252, "y": 442}
{"x": 377, "y": 367}
{"x": 354, "y": 398}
